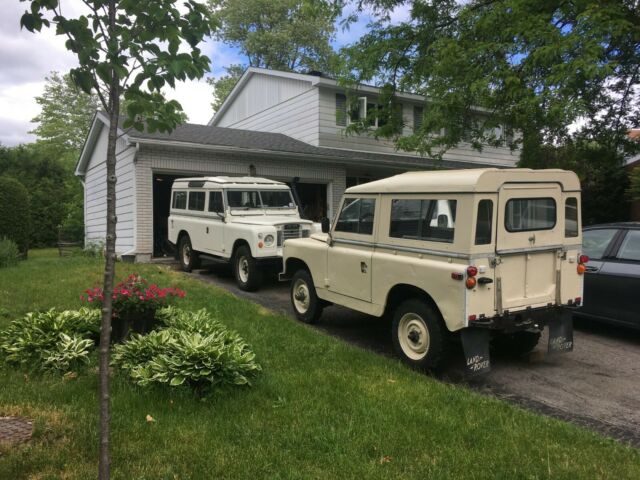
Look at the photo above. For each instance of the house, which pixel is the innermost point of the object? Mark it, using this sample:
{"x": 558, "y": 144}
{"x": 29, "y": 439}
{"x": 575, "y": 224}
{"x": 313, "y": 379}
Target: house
{"x": 280, "y": 125}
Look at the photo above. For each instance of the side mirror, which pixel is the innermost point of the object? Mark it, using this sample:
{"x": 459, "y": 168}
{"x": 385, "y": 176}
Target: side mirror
{"x": 326, "y": 225}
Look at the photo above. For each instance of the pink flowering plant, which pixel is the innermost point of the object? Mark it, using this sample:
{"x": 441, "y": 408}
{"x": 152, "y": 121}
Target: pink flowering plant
{"x": 134, "y": 300}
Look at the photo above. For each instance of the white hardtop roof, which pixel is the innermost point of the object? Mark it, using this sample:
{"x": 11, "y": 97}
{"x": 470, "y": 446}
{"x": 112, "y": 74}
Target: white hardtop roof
{"x": 472, "y": 180}
{"x": 229, "y": 182}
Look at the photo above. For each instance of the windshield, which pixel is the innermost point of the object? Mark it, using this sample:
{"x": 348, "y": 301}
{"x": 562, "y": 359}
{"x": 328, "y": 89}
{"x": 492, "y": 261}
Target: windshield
{"x": 247, "y": 199}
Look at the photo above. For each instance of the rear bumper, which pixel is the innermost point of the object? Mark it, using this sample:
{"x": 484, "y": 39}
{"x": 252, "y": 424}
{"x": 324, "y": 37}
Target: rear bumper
{"x": 529, "y": 319}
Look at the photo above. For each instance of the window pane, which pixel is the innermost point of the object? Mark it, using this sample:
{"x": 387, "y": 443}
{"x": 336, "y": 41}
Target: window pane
{"x": 349, "y": 216}
{"x": 215, "y": 202}
{"x": 571, "y": 217}
{"x": 484, "y": 220}
{"x": 526, "y": 214}
{"x": 341, "y": 109}
{"x": 405, "y": 218}
{"x": 367, "y": 210}
{"x": 180, "y": 200}
{"x": 196, "y": 201}
{"x": 276, "y": 199}
{"x": 595, "y": 242}
{"x": 417, "y": 118}
{"x": 243, "y": 199}
{"x": 439, "y": 218}
{"x": 630, "y": 249}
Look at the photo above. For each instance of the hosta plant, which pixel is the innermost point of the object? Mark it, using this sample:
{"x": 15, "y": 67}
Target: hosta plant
{"x": 51, "y": 340}
{"x": 193, "y": 350}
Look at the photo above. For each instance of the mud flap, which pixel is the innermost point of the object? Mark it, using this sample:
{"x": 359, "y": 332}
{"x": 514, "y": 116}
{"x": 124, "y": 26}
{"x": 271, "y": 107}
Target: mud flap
{"x": 475, "y": 342}
{"x": 561, "y": 333}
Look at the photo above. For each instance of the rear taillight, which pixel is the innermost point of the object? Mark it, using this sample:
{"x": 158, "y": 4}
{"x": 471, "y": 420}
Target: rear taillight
{"x": 471, "y": 281}
{"x": 582, "y": 259}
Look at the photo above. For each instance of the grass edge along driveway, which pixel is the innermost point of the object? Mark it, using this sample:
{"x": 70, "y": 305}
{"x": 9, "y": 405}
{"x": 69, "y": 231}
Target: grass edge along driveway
{"x": 320, "y": 409}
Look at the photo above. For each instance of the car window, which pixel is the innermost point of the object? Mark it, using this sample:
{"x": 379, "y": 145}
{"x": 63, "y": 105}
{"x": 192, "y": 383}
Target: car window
{"x": 571, "y": 217}
{"x": 527, "y": 214}
{"x": 595, "y": 242}
{"x": 196, "y": 201}
{"x": 180, "y": 200}
{"x": 357, "y": 216}
{"x": 215, "y": 202}
{"x": 431, "y": 220}
{"x": 630, "y": 248}
{"x": 483, "y": 222}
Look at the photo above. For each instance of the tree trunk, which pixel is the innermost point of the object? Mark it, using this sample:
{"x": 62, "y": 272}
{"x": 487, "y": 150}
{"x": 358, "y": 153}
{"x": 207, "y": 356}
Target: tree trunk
{"x": 110, "y": 265}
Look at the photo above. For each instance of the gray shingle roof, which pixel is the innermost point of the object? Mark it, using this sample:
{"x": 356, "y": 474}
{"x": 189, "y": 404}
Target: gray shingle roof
{"x": 190, "y": 133}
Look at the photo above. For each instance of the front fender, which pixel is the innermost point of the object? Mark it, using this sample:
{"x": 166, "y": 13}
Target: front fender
{"x": 312, "y": 253}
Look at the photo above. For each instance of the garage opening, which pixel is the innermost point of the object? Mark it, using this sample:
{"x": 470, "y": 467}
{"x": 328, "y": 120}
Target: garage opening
{"x": 313, "y": 199}
{"x": 161, "y": 206}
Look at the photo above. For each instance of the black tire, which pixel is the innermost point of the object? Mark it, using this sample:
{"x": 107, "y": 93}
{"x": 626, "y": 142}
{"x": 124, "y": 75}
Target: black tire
{"x": 419, "y": 335}
{"x": 188, "y": 257}
{"x": 245, "y": 268}
{"x": 303, "y": 292}
{"x": 515, "y": 344}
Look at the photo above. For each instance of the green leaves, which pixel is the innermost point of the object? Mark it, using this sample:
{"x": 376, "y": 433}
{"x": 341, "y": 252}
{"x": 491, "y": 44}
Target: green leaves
{"x": 193, "y": 349}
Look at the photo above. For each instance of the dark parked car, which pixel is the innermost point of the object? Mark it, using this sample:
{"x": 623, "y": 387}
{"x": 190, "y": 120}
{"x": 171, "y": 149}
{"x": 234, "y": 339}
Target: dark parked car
{"x": 612, "y": 279}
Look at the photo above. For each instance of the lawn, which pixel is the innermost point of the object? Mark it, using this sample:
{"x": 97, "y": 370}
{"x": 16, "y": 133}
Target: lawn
{"x": 320, "y": 409}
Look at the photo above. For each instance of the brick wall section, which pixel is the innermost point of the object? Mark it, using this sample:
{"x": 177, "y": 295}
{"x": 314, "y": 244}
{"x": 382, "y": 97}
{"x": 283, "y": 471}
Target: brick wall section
{"x": 154, "y": 159}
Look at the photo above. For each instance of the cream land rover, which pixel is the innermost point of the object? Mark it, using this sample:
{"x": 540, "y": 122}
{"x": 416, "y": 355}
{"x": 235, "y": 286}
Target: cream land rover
{"x": 489, "y": 255}
{"x": 242, "y": 220}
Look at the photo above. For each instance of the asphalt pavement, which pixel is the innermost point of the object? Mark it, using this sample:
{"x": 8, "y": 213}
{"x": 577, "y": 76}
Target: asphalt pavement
{"x": 596, "y": 386}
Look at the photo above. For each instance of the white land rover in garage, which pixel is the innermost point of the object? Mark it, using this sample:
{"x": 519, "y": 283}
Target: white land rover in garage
{"x": 242, "y": 220}
{"x": 485, "y": 255}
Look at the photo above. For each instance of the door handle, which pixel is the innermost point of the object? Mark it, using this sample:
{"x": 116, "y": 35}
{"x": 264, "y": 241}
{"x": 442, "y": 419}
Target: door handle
{"x": 363, "y": 267}
{"x": 207, "y": 229}
{"x": 591, "y": 269}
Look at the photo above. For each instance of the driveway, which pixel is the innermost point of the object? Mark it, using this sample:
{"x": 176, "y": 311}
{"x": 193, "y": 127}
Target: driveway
{"x": 596, "y": 386}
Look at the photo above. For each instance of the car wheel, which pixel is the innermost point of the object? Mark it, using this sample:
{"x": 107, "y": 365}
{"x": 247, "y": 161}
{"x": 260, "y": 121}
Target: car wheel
{"x": 419, "y": 336}
{"x": 189, "y": 258}
{"x": 515, "y": 344}
{"x": 306, "y": 304}
{"x": 245, "y": 267}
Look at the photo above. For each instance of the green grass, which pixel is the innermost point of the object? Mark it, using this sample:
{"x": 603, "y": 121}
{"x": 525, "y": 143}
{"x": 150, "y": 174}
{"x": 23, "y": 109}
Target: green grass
{"x": 320, "y": 409}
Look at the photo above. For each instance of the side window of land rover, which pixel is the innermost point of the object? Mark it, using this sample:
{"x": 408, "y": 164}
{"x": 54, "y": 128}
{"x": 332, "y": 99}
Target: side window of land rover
{"x": 357, "y": 216}
{"x": 215, "y": 202}
{"x": 430, "y": 220}
{"x": 180, "y": 200}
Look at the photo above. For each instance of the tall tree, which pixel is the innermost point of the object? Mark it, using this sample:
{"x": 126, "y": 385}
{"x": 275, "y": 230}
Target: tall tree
{"x": 130, "y": 48}
{"x": 289, "y": 35}
{"x": 535, "y": 66}
{"x": 66, "y": 113}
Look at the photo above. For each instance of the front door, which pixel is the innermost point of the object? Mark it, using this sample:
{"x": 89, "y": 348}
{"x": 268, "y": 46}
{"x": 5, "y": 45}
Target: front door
{"x": 529, "y": 235}
{"x": 349, "y": 257}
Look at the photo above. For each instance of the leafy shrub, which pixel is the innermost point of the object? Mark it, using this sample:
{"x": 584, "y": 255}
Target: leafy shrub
{"x": 192, "y": 350}
{"x": 14, "y": 213}
{"x": 9, "y": 252}
{"x": 51, "y": 340}
{"x": 93, "y": 250}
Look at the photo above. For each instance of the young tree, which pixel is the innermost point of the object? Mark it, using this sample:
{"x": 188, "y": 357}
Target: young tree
{"x": 66, "y": 113}
{"x": 289, "y": 35}
{"x": 130, "y": 48}
{"x": 533, "y": 66}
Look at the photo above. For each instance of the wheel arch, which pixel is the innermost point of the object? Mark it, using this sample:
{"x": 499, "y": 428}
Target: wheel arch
{"x": 403, "y": 291}
{"x": 293, "y": 264}
{"x": 240, "y": 242}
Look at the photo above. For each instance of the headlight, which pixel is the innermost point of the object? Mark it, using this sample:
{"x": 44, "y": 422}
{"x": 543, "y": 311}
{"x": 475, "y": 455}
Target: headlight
{"x": 268, "y": 240}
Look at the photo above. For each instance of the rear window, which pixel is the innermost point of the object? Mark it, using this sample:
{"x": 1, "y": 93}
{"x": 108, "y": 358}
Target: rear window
{"x": 180, "y": 200}
{"x": 571, "y": 217}
{"x": 196, "y": 201}
{"x": 430, "y": 220}
{"x": 595, "y": 242}
{"x": 483, "y": 222}
{"x": 526, "y": 214}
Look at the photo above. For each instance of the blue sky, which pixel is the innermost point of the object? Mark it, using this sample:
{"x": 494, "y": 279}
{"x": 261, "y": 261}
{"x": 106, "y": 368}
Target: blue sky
{"x": 27, "y": 58}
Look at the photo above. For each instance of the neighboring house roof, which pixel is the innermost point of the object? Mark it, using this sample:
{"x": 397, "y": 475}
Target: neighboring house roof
{"x": 313, "y": 79}
{"x": 190, "y": 135}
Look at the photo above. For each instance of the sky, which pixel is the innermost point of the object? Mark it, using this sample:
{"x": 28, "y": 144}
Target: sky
{"x": 27, "y": 58}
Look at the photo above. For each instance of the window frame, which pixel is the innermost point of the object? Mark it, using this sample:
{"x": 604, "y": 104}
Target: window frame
{"x": 555, "y": 216}
{"x": 174, "y": 196}
{"x": 426, "y": 211}
{"x": 340, "y": 233}
{"x": 208, "y": 202}
{"x": 492, "y": 212}
{"x": 204, "y": 201}
{"x": 577, "y": 219}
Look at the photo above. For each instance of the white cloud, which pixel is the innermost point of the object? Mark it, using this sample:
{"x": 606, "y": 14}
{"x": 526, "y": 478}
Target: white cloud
{"x": 195, "y": 96}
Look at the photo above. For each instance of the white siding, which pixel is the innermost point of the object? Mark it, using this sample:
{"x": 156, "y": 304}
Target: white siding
{"x": 95, "y": 204}
{"x": 333, "y": 136}
{"x": 260, "y": 93}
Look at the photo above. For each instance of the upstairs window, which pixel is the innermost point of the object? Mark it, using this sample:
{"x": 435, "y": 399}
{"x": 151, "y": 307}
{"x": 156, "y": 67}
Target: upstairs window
{"x": 180, "y": 200}
{"x": 357, "y": 216}
{"x": 418, "y": 113}
{"x": 341, "y": 109}
{"x": 196, "y": 201}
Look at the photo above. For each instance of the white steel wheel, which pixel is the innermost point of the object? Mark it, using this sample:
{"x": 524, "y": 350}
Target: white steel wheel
{"x": 413, "y": 336}
{"x": 243, "y": 269}
{"x": 300, "y": 296}
{"x": 186, "y": 253}
{"x": 189, "y": 259}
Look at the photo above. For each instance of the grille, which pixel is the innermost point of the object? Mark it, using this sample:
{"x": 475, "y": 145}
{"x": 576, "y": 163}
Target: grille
{"x": 290, "y": 230}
